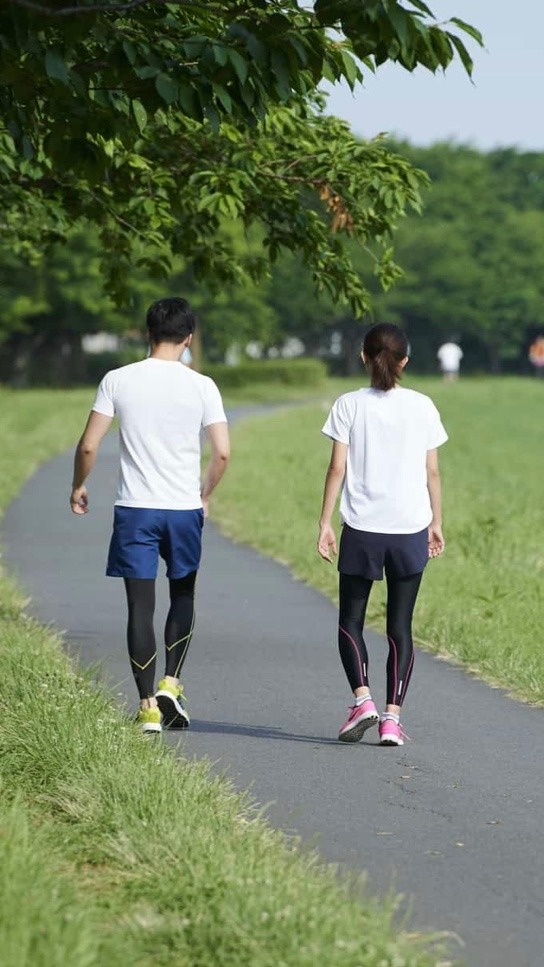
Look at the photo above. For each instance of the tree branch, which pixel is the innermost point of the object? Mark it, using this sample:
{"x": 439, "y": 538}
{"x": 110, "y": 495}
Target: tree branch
{"x": 107, "y": 7}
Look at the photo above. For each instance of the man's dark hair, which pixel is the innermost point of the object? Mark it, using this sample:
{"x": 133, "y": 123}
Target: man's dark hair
{"x": 170, "y": 320}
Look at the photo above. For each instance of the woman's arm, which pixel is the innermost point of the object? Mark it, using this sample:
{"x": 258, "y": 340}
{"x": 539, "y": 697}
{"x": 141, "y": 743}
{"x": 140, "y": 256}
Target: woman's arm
{"x": 436, "y": 538}
{"x": 334, "y": 479}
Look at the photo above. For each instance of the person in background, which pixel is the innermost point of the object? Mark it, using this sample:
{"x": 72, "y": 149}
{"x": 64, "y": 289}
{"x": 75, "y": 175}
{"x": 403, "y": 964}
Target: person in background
{"x": 161, "y": 504}
{"x": 536, "y": 355}
{"x": 385, "y": 461}
{"x": 449, "y": 357}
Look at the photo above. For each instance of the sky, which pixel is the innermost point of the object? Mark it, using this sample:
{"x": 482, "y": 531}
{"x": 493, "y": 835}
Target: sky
{"x": 502, "y": 107}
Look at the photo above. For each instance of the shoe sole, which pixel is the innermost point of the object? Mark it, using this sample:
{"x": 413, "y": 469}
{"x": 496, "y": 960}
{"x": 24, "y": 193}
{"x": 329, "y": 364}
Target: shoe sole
{"x": 151, "y": 728}
{"x": 355, "y": 734}
{"x": 391, "y": 742}
{"x": 173, "y": 714}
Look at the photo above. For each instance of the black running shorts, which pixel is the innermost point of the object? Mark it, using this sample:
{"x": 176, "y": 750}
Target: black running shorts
{"x": 366, "y": 554}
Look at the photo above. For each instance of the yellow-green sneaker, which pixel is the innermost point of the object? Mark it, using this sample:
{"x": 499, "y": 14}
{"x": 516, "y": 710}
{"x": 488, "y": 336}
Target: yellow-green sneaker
{"x": 149, "y": 720}
{"x": 169, "y": 699}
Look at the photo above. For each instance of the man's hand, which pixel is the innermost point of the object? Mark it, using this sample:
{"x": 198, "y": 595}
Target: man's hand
{"x": 97, "y": 426}
{"x": 326, "y": 542}
{"x": 206, "y": 506}
{"x": 79, "y": 501}
{"x": 436, "y": 540}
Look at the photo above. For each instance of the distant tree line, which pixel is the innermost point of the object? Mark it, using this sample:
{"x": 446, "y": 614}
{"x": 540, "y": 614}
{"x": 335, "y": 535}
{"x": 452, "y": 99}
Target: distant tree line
{"x": 473, "y": 266}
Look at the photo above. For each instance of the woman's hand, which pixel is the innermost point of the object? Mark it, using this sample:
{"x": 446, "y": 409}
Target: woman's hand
{"x": 436, "y": 540}
{"x": 326, "y": 542}
{"x": 79, "y": 500}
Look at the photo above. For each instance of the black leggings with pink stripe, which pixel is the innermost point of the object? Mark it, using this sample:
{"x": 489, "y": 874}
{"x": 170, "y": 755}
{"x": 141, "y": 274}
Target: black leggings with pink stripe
{"x": 401, "y": 599}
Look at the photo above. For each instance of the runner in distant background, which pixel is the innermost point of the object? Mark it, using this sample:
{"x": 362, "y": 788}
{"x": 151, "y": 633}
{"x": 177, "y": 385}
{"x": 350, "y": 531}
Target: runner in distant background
{"x": 449, "y": 356}
{"x": 536, "y": 355}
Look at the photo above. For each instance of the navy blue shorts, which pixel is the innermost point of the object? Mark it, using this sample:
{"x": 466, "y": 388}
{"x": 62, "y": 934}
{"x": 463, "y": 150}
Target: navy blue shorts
{"x": 141, "y": 535}
{"x": 365, "y": 554}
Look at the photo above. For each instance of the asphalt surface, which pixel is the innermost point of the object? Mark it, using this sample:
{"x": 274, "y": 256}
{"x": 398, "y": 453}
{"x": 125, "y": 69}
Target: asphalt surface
{"x": 453, "y": 820}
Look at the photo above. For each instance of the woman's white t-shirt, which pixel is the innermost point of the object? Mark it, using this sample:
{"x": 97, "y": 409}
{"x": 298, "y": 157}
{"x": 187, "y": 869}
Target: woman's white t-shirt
{"x": 162, "y": 407}
{"x": 388, "y": 434}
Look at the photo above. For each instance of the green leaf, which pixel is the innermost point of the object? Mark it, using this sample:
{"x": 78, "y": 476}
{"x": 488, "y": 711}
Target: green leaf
{"x": 239, "y": 64}
{"x": 209, "y": 202}
{"x": 220, "y": 54}
{"x": 55, "y": 66}
{"x": 256, "y": 48}
{"x": 129, "y": 51}
{"x": 468, "y": 29}
{"x": 223, "y": 97}
{"x": 419, "y": 5}
{"x": 109, "y": 148}
{"x": 189, "y": 101}
{"x": 281, "y": 72}
{"x": 140, "y": 115}
{"x": 352, "y": 72}
{"x": 466, "y": 59}
{"x": 441, "y": 48}
{"x": 327, "y": 12}
{"x": 213, "y": 117}
{"x": 144, "y": 73}
{"x": 28, "y": 149}
{"x": 141, "y": 164}
{"x": 328, "y": 73}
{"x": 401, "y": 22}
{"x": 167, "y": 88}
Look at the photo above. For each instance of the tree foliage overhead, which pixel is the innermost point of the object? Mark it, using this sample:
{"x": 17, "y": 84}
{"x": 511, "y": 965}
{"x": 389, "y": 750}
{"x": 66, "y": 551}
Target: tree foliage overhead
{"x": 154, "y": 120}
{"x": 473, "y": 269}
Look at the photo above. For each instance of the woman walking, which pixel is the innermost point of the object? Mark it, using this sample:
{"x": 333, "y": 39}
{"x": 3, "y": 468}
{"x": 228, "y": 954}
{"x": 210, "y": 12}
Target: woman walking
{"x": 384, "y": 457}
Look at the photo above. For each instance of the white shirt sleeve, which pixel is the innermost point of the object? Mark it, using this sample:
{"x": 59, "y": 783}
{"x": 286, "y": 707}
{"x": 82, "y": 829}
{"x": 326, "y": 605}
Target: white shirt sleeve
{"x": 436, "y": 432}
{"x": 339, "y": 422}
{"x": 103, "y": 401}
{"x": 214, "y": 411}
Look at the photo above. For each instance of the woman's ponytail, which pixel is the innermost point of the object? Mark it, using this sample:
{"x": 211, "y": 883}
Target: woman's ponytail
{"x": 385, "y": 346}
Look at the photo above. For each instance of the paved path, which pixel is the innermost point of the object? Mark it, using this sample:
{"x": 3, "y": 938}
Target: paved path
{"x": 453, "y": 820}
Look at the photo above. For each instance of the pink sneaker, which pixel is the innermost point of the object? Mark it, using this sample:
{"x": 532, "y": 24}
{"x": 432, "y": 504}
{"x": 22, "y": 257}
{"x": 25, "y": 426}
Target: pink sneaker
{"x": 361, "y": 717}
{"x": 391, "y": 732}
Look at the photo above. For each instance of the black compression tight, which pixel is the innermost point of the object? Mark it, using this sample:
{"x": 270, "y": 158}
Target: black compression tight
{"x": 141, "y": 634}
{"x": 401, "y": 599}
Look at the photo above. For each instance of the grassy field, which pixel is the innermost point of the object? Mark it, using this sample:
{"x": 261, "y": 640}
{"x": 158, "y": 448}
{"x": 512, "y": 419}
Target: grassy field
{"x": 481, "y": 603}
{"x": 112, "y": 852}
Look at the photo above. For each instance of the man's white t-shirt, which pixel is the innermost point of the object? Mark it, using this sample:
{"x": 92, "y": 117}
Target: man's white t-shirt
{"x": 450, "y": 356}
{"x": 388, "y": 434}
{"x": 162, "y": 407}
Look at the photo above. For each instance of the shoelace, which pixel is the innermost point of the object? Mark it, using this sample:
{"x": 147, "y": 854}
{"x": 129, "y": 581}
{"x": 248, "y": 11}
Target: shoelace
{"x": 353, "y": 708}
{"x": 403, "y": 734}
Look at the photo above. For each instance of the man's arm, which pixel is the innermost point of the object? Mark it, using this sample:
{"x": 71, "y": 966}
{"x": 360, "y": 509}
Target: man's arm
{"x": 85, "y": 456}
{"x": 333, "y": 482}
{"x": 218, "y": 437}
{"x": 436, "y": 538}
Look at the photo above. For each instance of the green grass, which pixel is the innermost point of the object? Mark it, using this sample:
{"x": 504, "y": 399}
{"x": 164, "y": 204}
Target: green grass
{"x": 34, "y": 424}
{"x": 112, "y": 852}
{"x": 482, "y": 603}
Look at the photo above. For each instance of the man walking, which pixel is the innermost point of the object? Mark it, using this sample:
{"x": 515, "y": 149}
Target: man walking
{"x": 162, "y": 406}
{"x": 449, "y": 357}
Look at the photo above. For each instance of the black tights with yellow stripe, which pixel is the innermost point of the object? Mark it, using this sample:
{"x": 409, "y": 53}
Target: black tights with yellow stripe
{"x": 178, "y": 630}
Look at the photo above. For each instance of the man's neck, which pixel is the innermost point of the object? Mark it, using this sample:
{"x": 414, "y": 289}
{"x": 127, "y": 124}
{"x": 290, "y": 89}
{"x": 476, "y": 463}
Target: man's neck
{"x": 169, "y": 351}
